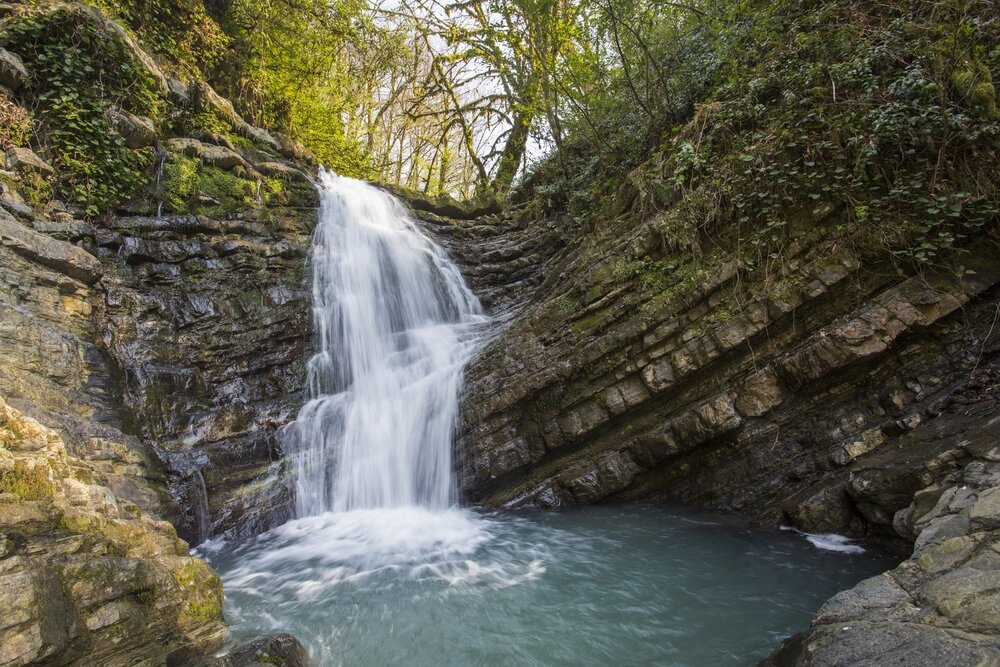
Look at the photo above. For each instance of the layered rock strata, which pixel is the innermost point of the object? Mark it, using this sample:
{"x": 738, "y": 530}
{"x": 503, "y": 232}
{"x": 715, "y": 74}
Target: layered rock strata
{"x": 86, "y": 576}
{"x": 628, "y": 375}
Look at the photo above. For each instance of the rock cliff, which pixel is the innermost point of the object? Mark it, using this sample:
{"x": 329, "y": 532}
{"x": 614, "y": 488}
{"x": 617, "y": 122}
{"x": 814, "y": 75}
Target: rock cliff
{"x": 161, "y": 343}
{"x": 85, "y": 574}
{"x": 833, "y": 391}
{"x": 151, "y": 350}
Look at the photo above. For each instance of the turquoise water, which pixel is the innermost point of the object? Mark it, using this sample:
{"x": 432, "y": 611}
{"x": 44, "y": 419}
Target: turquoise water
{"x": 605, "y": 585}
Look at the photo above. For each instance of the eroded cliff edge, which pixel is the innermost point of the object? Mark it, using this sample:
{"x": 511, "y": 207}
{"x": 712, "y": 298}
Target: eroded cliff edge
{"x": 148, "y": 351}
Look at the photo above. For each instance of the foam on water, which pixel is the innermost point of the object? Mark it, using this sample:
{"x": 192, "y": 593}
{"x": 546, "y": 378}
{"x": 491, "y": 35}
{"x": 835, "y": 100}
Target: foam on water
{"x": 599, "y": 585}
{"x": 829, "y": 541}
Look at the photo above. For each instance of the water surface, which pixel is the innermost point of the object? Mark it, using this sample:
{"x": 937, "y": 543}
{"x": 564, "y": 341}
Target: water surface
{"x": 604, "y": 585}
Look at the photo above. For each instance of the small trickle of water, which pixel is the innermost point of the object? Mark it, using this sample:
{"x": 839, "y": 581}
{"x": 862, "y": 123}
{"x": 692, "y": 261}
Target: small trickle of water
{"x": 202, "y": 509}
{"x": 395, "y": 325}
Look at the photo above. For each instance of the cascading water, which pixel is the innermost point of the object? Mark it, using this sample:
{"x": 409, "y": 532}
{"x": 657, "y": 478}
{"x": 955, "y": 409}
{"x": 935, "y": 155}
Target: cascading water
{"x": 395, "y": 325}
{"x": 381, "y": 568}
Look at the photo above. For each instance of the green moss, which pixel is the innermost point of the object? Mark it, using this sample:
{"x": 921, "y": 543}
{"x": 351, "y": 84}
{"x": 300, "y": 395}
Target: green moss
{"x": 202, "y": 593}
{"x": 79, "y": 523}
{"x": 179, "y": 182}
{"x": 35, "y": 189}
{"x": 11, "y": 432}
{"x": 589, "y": 322}
{"x": 188, "y": 184}
{"x": 265, "y": 658}
{"x": 975, "y": 87}
{"x": 26, "y": 482}
{"x": 232, "y": 192}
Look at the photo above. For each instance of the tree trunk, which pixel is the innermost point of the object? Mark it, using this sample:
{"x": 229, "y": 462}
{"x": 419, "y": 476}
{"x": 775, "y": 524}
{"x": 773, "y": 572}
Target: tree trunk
{"x": 513, "y": 154}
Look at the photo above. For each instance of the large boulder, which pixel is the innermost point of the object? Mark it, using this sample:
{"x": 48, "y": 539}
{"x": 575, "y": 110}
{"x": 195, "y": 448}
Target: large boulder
{"x": 138, "y": 131}
{"x": 25, "y": 159}
{"x": 217, "y": 156}
{"x": 13, "y": 74}
{"x": 64, "y": 257}
{"x": 280, "y": 649}
{"x": 85, "y": 577}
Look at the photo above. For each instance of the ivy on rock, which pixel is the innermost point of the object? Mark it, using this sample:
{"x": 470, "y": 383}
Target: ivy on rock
{"x": 79, "y": 72}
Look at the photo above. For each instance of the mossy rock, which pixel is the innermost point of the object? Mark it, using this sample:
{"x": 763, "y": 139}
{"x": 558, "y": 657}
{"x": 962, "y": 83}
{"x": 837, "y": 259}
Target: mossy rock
{"x": 975, "y": 86}
{"x": 26, "y": 482}
{"x": 202, "y": 593}
{"x": 190, "y": 186}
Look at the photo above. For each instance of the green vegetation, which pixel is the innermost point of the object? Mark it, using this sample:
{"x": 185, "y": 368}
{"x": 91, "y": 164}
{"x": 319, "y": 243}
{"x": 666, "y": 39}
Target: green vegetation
{"x": 877, "y": 120}
{"x": 732, "y": 125}
{"x": 180, "y": 31}
{"x": 202, "y": 593}
{"x": 190, "y": 186}
{"x": 12, "y": 430}
{"x": 63, "y": 48}
{"x": 16, "y": 124}
{"x": 26, "y": 482}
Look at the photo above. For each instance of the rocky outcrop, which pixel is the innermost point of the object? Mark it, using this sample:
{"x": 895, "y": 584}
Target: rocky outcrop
{"x": 942, "y": 604}
{"x": 85, "y": 575}
{"x": 504, "y": 258}
{"x": 164, "y": 346}
{"x": 137, "y": 131}
{"x": 207, "y": 320}
{"x": 830, "y": 390}
{"x": 170, "y": 347}
{"x": 166, "y": 341}
{"x": 634, "y": 374}
{"x": 25, "y": 159}
{"x": 282, "y": 649}
{"x": 13, "y": 75}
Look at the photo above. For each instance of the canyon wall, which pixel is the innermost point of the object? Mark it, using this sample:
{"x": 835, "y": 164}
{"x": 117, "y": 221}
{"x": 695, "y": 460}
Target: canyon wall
{"x": 148, "y": 357}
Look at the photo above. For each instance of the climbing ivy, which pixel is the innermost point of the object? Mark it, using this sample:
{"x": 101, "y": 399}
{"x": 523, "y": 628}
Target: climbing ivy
{"x": 79, "y": 72}
{"x": 877, "y": 122}
{"x": 886, "y": 124}
{"x": 181, "y": 32}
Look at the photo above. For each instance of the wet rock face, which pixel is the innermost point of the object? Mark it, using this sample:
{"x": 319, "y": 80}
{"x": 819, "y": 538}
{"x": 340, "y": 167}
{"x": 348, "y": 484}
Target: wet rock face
{"x": 941, "y": 606}
{"x": 86, "y": 575}
{"x": 170, "y": 348}
{"x": 623, "y": 373}
{"x": 208, "y": 322}
{"x": 53, "y": 366}
{"x": 280, "y": 649}
{"x": 835, "y": 394}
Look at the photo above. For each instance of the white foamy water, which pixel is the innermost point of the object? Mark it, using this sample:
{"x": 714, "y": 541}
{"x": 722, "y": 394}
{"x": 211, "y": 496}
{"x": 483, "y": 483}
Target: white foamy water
{"x": 829, "y": 541}
{"x": 395, "y": 325}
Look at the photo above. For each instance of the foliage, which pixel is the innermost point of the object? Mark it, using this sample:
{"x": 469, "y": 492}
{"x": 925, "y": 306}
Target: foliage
{"x": 878, "y": 120}
{"x": 305, "y": 68}
{"x": 180, "y": 31}
{"x": 63, "y": 47}
{"x": 189, "y": 186}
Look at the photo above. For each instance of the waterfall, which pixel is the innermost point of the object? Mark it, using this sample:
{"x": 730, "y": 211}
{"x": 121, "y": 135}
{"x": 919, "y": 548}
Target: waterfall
{"x": 395, "y": 325}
